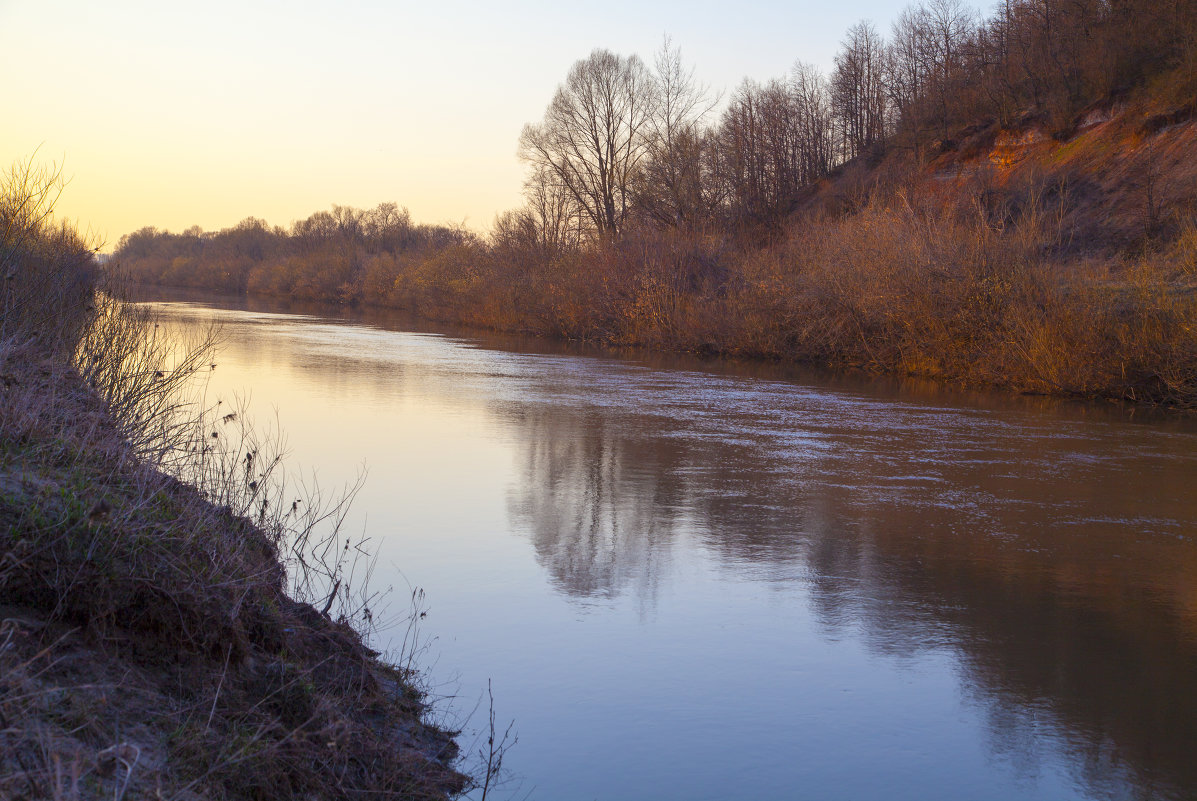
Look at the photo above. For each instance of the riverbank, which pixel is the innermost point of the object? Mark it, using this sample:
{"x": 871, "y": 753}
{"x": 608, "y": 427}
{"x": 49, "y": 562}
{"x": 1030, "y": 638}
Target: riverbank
{"x": 158, "y": 636}
{"x": 149, "y": 643}
{"x": 887, "y": 291}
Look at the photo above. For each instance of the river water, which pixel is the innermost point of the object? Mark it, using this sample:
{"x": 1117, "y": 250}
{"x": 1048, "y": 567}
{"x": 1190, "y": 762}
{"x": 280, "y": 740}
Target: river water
{"x": 697, "y": 580}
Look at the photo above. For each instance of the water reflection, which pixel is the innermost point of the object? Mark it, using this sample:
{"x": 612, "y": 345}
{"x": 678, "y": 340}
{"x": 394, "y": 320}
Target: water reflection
{"x": 602, "y": 508}
{"x": 1055, "y": 557}
{"x": 1047, "y": 548}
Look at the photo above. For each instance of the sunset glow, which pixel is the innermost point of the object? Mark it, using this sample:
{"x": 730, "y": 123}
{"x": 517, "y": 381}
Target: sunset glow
{"x": 169, "y": 116}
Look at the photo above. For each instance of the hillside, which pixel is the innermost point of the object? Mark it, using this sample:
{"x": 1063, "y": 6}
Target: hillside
{"x": 1120, "y": 179}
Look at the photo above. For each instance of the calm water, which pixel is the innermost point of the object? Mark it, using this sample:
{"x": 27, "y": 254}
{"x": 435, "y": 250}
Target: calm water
{"x": 697, "y": 581}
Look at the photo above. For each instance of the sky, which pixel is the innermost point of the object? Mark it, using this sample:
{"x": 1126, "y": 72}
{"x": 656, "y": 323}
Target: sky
{"x": 171, "y": 114}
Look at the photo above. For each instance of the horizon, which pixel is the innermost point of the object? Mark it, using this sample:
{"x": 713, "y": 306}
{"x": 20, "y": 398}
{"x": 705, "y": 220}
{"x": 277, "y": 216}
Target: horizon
{"x": 210, "y": 119}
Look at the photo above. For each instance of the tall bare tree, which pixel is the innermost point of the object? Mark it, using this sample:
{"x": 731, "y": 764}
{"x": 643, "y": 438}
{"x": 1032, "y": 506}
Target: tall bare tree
{"x": 674, "y": 190}
{"x": 907, "y": 67}
{"x": 812, "y": 115}
{"x": 858, "y": 89}
{"x": 949, "y": 26}
{"x": 743, "y": 167}
{"x": 595, "y": 135}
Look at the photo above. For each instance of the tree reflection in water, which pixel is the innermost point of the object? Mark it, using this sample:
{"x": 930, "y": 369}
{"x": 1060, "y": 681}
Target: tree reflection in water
{"x": 1022, "y": 549}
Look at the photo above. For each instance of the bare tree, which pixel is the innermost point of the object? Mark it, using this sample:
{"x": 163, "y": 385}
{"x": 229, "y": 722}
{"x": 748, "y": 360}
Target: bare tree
{"x": 547, "y": 225}
{"x": 742, "y": 166}
{"x": 811, "y": 98}
{"x": 387, "y": 227}
{"x": 553, "y": 212}
{"x": 949, "y": 25}
{"x": 595, "y": 135}
{"x": 773, "y": 139}
{"x": 907, "y": 67}
{"x": 672, "y": 189}
{"x": 858, "y": 89}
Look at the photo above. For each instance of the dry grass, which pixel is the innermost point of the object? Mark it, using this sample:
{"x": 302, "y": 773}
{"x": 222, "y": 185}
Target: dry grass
{"x": 964, "y": 292}
{"x": 925, "y": 292}
{"x": 160, "y": 637}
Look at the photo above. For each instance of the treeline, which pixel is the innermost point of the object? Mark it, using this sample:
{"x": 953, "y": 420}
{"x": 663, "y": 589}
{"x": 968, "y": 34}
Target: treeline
{"x": 799, "y": 219}
{"x": 623, "y": 145}
{"x": 345, "y": 255}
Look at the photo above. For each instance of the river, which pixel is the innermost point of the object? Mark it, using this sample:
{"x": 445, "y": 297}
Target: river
{"x": 698, "y": 580}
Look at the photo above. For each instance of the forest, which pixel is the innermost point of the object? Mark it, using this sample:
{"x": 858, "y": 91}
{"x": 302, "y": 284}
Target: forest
{"x": 1007, "y": 199}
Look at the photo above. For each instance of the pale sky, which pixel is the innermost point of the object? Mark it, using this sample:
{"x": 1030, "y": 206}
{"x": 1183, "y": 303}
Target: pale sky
{"x": 178, "y": 114}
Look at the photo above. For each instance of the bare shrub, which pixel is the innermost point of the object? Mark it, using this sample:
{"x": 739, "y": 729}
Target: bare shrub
{"x": 46, "y": 269}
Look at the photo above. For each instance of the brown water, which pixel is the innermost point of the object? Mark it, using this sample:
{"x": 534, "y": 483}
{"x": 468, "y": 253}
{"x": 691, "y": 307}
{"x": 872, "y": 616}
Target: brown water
{"x": 707, "y": 581}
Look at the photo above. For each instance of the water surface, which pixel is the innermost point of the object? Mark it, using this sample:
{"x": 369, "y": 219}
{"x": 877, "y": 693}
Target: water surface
{"x": 707, "y": 581}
